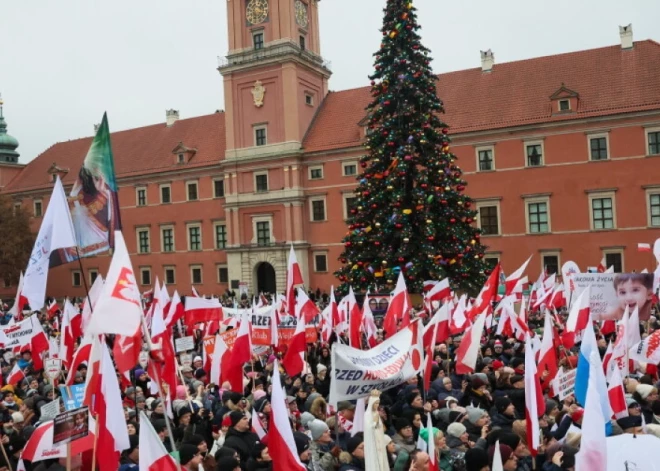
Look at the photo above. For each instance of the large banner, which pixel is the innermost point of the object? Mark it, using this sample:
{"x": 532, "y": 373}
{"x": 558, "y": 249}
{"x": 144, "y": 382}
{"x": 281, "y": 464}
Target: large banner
{"x": 357, "y": 372}
{"x": 21, "y": 334}
{"x": 611, "y": 292}
{"x": 261, "y": 330}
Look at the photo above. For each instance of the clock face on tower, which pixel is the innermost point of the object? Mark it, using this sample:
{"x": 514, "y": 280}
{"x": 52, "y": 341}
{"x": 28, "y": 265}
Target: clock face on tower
{"x": 301, "y": 14}
{"x": 257, "y": 11}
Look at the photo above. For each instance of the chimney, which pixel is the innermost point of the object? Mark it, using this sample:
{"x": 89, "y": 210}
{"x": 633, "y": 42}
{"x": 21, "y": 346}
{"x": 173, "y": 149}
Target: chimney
{"x": 96, "y": 128}
{"x": 487, "y": 61}
{"x": 626, "y": 34}
{"x": 171, "y": 117}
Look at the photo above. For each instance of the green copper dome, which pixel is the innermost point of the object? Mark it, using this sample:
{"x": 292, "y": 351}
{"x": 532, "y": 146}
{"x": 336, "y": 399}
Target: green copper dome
{"x": 8, "y": 144}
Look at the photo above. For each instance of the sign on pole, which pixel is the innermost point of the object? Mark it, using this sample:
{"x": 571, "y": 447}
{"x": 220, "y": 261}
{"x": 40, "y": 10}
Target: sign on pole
{"x": 53, "y": 367}
{"x": 70, "y": 425}
{"x": 184, "y": 344}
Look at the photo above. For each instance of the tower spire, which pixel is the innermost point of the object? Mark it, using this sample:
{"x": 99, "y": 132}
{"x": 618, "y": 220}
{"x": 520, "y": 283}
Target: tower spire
{"x": 8, "y": 144}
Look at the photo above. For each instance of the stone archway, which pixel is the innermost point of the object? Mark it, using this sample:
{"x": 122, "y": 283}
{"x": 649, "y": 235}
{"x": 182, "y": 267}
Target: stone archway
{"x": 266, "y": 278}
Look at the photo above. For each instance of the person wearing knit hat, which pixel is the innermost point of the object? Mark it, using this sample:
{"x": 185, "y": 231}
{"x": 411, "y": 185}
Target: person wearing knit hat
{"x": 302, "y": 446}
{"x": 456, "y": 430}
{"x": 403, "y": 438}
{"x": 321, "y": 367}
{"x": 630, "y": 424}
{"x": 258, "y": 394}
{"x": 319, "y": 430}
{"x": 262, "y": 405}
{"x": 457, "y": 438}
{"x": 227, "y": 463}
{"x": 505, "y": 414}
{"x": 354, "y": 457}
{"x": 647, "y": 392}
{"x": 240, "y": 437}
{"x": 477, "y": 394}
{"x": 509, "y": 460}
{"x": 497, "y": 365}
{"x": 189, "y": 457}
{"x": 236, "y": 416}
{"x": 130, "y": 457}
{"x": 476, "y": 459}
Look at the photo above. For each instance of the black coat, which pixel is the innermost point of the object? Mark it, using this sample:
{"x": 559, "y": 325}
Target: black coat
{"x": 243, "y": 443}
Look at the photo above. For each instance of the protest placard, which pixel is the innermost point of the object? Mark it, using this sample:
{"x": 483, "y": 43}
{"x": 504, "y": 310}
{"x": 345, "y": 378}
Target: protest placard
{"x": 53, "y": 366}
{"x": 70, "y": 425}
{"x": 184, "y": 344}
{"x": 73, "y": 396}
{"x": 564, "y": 383}
{"x": 49, "y": 411}
{"x": 186, "y": 359}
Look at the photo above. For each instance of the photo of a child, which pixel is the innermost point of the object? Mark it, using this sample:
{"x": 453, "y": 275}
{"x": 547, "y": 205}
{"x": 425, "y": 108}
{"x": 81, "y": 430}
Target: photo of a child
{"x": 633, "y": 290}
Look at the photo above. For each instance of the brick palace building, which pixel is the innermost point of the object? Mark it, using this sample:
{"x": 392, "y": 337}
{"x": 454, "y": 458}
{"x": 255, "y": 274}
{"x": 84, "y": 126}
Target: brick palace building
{"x": 562, "y": 154}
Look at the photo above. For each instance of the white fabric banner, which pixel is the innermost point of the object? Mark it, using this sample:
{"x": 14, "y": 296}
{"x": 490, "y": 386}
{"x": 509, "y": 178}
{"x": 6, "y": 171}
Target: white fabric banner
{"x": 357, "y": 372}
{"x": 19, "y": 335}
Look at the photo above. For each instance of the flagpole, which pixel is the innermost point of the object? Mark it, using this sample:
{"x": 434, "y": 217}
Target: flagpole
{"x": 84, "y": 278}
{"x": 68, "y": 456}
{"x": 4, "y": 454}
{"x": 96, "y": 440}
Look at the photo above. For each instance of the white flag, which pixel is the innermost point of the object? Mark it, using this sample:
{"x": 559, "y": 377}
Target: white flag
{"x": 56, "y": 232}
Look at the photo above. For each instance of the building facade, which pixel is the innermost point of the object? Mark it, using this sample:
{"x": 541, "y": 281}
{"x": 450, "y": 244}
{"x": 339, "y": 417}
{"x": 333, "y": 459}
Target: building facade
{"x": 561, "y": 154}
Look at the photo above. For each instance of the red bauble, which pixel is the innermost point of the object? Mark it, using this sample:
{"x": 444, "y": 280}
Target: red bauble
{"x": 377, "y": 244}
{"x": 348, "y": 244}
{"x": 374, "y": 206}
{"x": 398, "y": 225}
{"x": 445, "y": 130}
{"x": 386, "y": 103}
{"x": 363, "y": 164}
{"x": 443, "y": 202}
{"x": 431, "y": 238}
{"x": 401, "y": 259}
{"x": 460, "y": 187}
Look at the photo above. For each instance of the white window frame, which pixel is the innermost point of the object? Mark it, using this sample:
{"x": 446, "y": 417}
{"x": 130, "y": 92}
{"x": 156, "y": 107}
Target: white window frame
{"x": 346, "y": 196}
{"x": 489, "y": 202}
{"x": 534, "y": 200}
{"x": 169, "y": 267}
{"x": 551, "y": 253}
{"x": 598, "y": 195}
{"x": 527, "y": 144}
{"x": 223, "y": 187}
{"x": 201, "y": 241}
{"x": 254, "y": 177}
{"x": 311, "y": 208}
{"x": 201, "y": 273}
{"x": 649, "y": 217}
{"x": 478, "y": 149}
{"x": 616, "y": 251}
{"x": 137, "y": 196}
{"x": 160, "y": 192}
{"x": 599, "y": 135}
{"x": 262, "y": 218}
{"x": 325, "y": 254}
{"x": 41, "y": 208}
{"x": 217, "y": 272}
{"x": 137, "y": 239}
{"x": 315, "y": 167}
{"x": 215, "y": 239}
{"x": 646, "y": 139}
{"x": 188, "y": 184}
{"x": 146, "y": 270}
{"x": 559, "y": 102}
{"x": 256, "y": 128}
{"x": 162, "y": 239}
{"x": 349, "y": 163}
{"x": 91, "y": 271}
{"x": 73, "y": 278}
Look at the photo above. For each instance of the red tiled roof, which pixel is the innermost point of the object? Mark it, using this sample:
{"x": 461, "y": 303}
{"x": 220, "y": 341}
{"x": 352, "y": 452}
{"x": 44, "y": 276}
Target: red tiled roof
{"x": 138, "y": 151}
{"x": 608, "y": 80}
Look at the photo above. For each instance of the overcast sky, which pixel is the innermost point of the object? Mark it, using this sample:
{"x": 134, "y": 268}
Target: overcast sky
{"x": 63, "y": 63}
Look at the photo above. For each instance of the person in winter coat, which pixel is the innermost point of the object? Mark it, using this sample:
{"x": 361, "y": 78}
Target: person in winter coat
{"x": 403, "y": 438}
{"x": 260, "y": 459}
{"x": 321, "y": 459}
{"x": 240, "y": 437}
{"x": 353, "y": 458}
{"x": 504, "y": 415}
{"x": 477, "y": 395}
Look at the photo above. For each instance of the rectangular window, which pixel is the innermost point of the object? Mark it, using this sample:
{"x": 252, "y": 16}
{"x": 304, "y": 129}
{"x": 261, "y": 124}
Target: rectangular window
{"x": 92, "y": 276}
{"x": 165, "y": 194}
{"x": 315, "y": 173}
{"x": 598, "y": 147}
{"x": 220, "y": 236}
{"x": 218, "y": 188}
{"x": 564, "y": 105}
{"x": 167, "y": 238}
{"x": 491, "y": 261}
{"x": 38, "y": 209}
{"x": 181, "y": 158}
{"x": 486, "y": 160}
{"x": 654, "y": 143}
{"x": 350, "y": 203}
{"x": 602, "y": 210}
{"x": 17, "y": 208}
{"x": 141, "y": 196}
{"x": 302, "y": 42}
{"x": 350, "y": 169}
{"x": 194, "y": 238}
{"x": 654, "y": 208}
{"x": 192, "y": 191}
{"x": 145, "y": 276}
{"x": 309, "y": 99}
{"x": 537, "y": 214}
{"x": 170, "y": 277}
{"x": 534, "y": 155}
{"x": 223, "y": 274}
{"x": 260, "y": 136}
{"x": 614, "y": 259}
{"x": 320, "y": 262}
{"x": 143, "y": 241}
{"x": 318, "y": 210}
{"x": 76, "y": 279}
{"x": 196, "y": 275}
{"x": 488, "y": 219}
{"x": 551, "y": 264}
{"x": 258, "y": 40}
{"x": 261, "y": 182}
{"x": 263, "y": 233}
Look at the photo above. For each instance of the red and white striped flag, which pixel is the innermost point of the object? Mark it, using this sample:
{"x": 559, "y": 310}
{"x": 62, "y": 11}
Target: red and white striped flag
{"x": 15, "y": 376}
{"x": 642, "y": 247}
{"x": 152, "y": 453}
{"x": 534, "y": 402}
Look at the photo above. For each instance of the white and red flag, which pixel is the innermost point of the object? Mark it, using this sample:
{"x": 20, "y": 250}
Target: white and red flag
{"x": 90, "y": 302}
{"x": 294, "y": 359}
{"x": 80, "y": 356}
{"x": 513, "y": 281}
{"x": 70, "y": 316}
{"x": 457, "y": 320}
{"x": 484, "y": 300}
{"x": 547, "y": 354}
{"x": 397, "y": 310}
{"x": 175, "y": 310}
{"x": 241, "y": 353}
{"x": 354, "y": 320}
{"x": 280, "y": 436}
{"x": 648, "y": 349}
{"x": 219, "y": 354}
{"x": 433, "y": 459}
{"x": 15, "y": 376}
{"x": 438, "y": 292}
{"x": 56, "y": 232}
{"x": 40, "y": 447}
{"x": 200, "y": 310}
{"x": 616, "y": 394}
{"x": 305, "y": 308}
{"x": 578, "y": 318}
{"x": 153, "y": 455}
{"x": 534, "y": 402}
{"x": 118, "y": 309}
{"x": 257, "y": 426}
{"x": 19, "y": 302}
{"x": 593, "y": 446}
{"x": 468, "y": 350}
{"x": 293, "y": 279}
{"x": 163, "y": 358}
{"x": 368, "y": 323}
{"x": 433, "y": 336}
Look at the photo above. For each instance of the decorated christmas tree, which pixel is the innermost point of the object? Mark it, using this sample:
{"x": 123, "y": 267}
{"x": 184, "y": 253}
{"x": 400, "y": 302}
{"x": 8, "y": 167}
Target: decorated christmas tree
{"x": 410, "y": 214}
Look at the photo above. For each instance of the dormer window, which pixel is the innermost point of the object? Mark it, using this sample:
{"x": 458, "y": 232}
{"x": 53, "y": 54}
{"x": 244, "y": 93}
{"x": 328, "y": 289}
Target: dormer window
{"x": 183, "y": 154}
{"x": 564, "y": 105}
{"x": 181, "y": 158}
{"x": 564, "y": 100}
{"x": 54, "y": 171}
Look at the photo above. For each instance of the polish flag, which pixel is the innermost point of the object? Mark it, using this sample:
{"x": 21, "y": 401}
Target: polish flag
{"x": 326, "y": 323}
{"x": 195, "y": 293}
{"x": 547, "y": 354}
{"x": 468, "y": 350}
{"x": 113, "y": 434}
{"x": 513, "y": 280}
{"x": 219, "y": 350}
{"x": 293, "y": 278}
{"x": 257, "y": 426}
{"x": 38, "y": 345}
{"x": 19, "y": 302}
{"x": 199, "y": 310}
{"x": 175, "y": 310}
{"x": 578, "y": 318}
{"x": 354, "y": 321}
{"x": 641, "y": 247}
{"x": 428, "y": 356}
{"x": 438, "y": 293}
{"x": 607, "y": 361}
{"x": 484, "y": 301}
{"x": 558, "y": 298}
{"x": 163, "y": 357}
{"x": 368, "y": 323}
{"x": 294, "y": 359}
{"x": 90, "y": 301}
{"x": 397, "y": 311}
{"x": 119, "y": 307}
{"x": 15, "y": 376}
{"x": 153, "y": 455}
{"x": 458, "y": 321}
{"x": 617, "y": 394}
{"x": 434, "y": 336}
{"x": 79, "y": 357}
{"x": 647, "y": 350}
{"x": 126, "y": 351}
{"x": 56, "y": 232}
{"x": 52, "y": 309}
{"x": 534, "y": 402}
{"x": 241, "y": 353}
{"x": 40, "y": 447}
{"x": 68, "y": 338}
{"x": 339, "y": 316}
{"x": 305, "y": 307}
{"x": 93, "y": 377}
{"x": 280, "y": 436}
